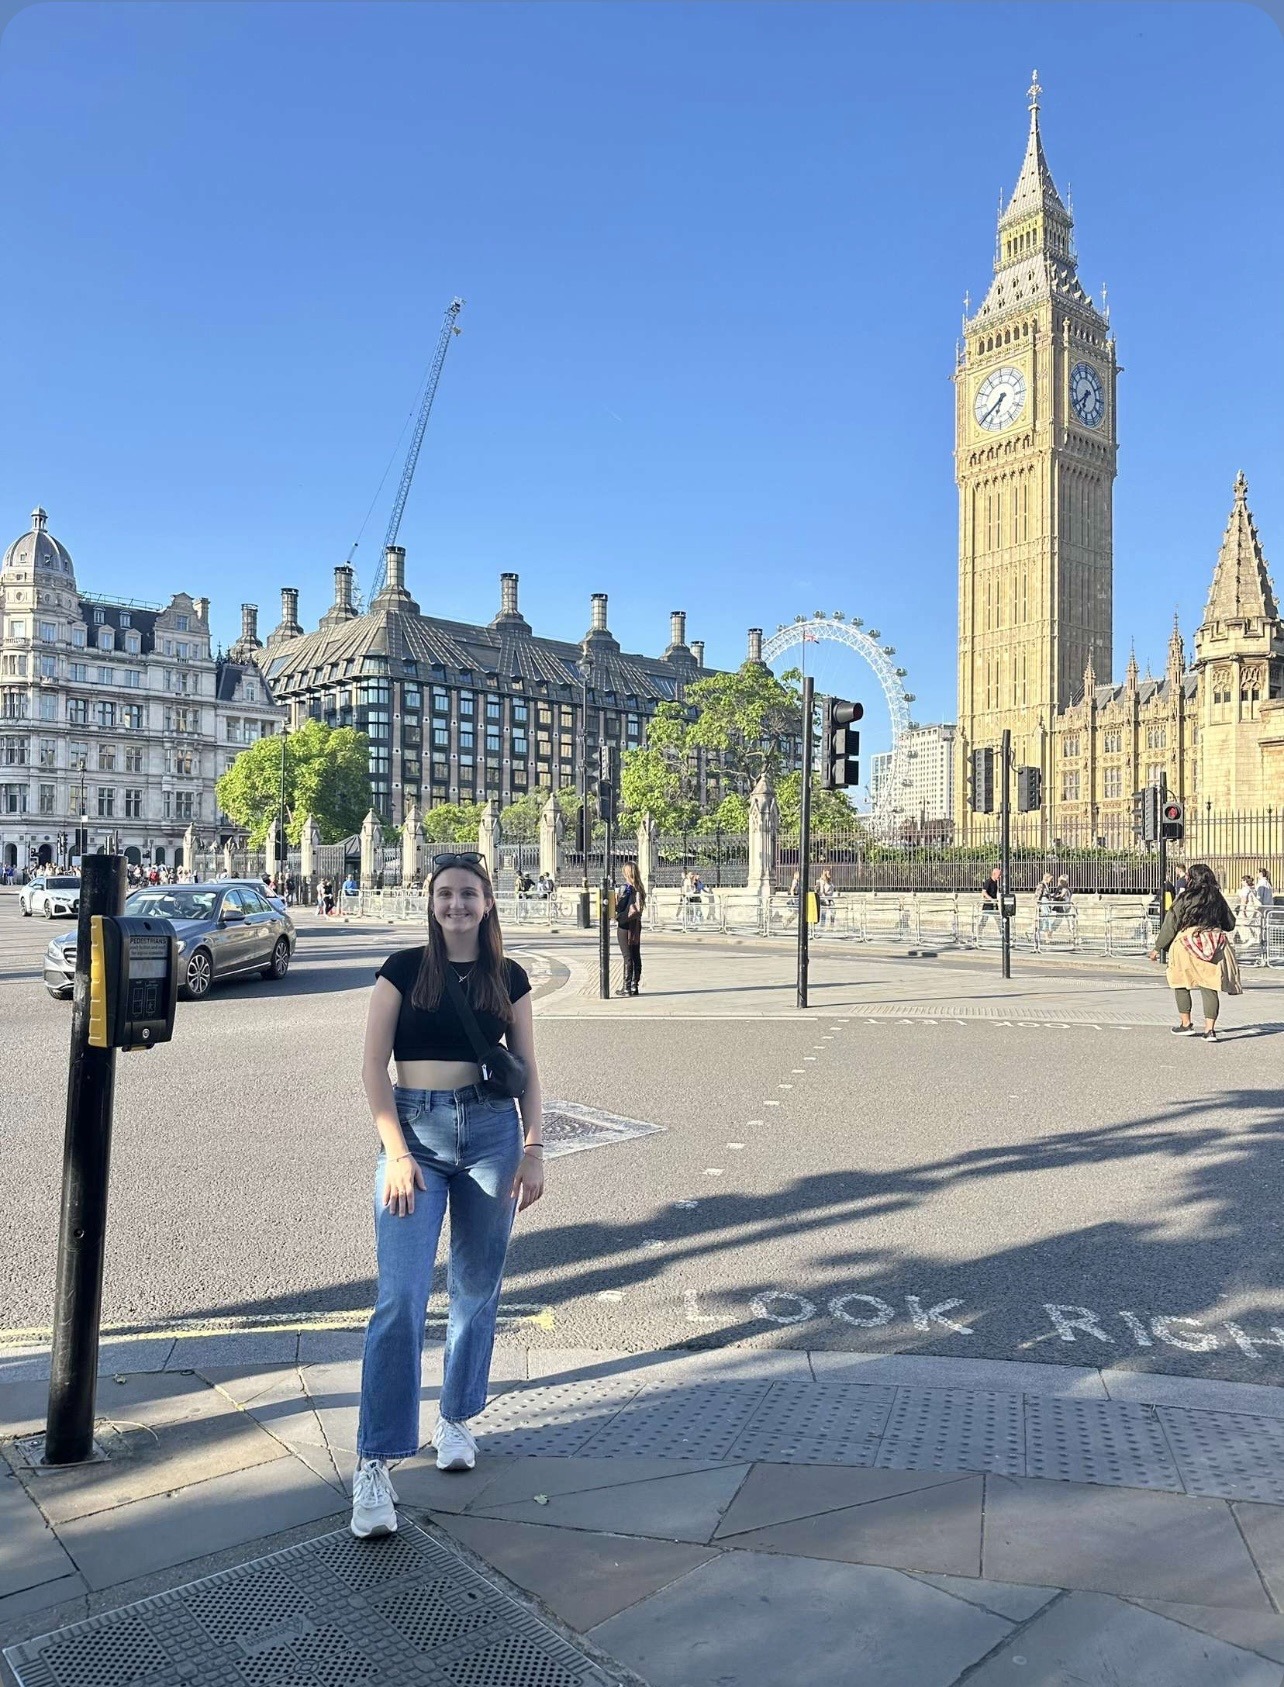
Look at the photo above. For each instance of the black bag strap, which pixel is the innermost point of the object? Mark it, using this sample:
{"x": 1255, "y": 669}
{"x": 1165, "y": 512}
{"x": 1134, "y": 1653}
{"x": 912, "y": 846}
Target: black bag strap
{"x": 467, "y": 1018}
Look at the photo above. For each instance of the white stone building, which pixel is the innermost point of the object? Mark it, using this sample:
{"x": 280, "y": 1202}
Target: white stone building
{"x": 926, "y": 796}
{"x": 112, "y": 710}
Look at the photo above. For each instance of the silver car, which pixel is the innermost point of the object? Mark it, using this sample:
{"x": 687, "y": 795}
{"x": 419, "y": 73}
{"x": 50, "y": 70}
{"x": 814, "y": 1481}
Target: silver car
{"x": 224, "y": 930}
{"x": 50, "y": 894}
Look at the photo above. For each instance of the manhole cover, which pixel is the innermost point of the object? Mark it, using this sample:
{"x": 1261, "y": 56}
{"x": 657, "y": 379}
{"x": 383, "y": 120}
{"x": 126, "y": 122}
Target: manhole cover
{"x": 570, "y": 1128}
{"x": 405, "y": 1611}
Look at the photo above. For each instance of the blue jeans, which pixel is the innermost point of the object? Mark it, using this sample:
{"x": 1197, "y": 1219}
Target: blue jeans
{"x": 468, "y": 1146}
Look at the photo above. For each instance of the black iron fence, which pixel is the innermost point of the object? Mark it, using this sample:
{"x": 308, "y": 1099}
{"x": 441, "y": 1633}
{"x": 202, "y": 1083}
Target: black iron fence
{"x": 1109, "y": 862}
{"x": 720, "y": 858}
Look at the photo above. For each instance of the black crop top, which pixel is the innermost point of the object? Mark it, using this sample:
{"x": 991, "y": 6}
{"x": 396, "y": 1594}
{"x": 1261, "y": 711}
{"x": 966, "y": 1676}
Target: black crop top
{"x": 440, "y": 1035}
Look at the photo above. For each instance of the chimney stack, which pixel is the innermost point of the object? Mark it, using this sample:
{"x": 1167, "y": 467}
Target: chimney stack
{"x": 678, "y": 627}
{"x": 508, "y": 594}
{"x": 249, "y": 623}
{"x": 597, "y": 617}
{"x": 394, "y": 568}
{"x": 697, "y": 650}
{"x": 343, "y": 586}
{"x": 202, "y": 607}
{"x": 755, "y": 644}
{"x": 290, "y": 608}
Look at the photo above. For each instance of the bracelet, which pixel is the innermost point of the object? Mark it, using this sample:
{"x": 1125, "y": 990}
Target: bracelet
{"x": 530, "y": 1147}
{"x": 406, "y": 1156}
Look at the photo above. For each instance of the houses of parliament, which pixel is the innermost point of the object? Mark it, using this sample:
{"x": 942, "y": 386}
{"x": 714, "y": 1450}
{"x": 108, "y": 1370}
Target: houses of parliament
{"x": 1035, "y": 458}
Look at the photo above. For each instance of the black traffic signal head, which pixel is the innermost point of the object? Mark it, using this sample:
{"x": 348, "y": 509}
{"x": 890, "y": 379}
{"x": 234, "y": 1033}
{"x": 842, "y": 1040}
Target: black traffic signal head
{"x": 981, "y": 769}
{"x": 1173, "y": 820}
{"x": 840, "y": 744}
{"x": 1029, "y": 789}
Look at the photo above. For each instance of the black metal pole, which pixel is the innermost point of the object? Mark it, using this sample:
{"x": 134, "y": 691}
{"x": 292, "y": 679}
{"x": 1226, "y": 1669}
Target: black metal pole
{"x": 1163, "y": 844}
{"x": 804, "y": 836}
{"x": 1005, "y": 852}
{"x": 86, "y": 1159}
{"x": 604, "y": 920}
{"x": 585, "y": 832}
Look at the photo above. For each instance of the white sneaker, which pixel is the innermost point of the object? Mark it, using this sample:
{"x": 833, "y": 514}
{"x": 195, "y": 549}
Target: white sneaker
{"x": 456, "y": 1449}
{"x": 373, "y": 1496}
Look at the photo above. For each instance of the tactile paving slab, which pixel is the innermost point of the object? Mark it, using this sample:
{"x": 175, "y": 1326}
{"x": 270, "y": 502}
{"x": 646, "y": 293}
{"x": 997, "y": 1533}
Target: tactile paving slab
{"x": 954, "y": 1429}
{"x": 1227, "y": 1455}
{"x": 401, "y": 1611}
{"x": 551, "y": 1422}
{"x": 699, "y": 1421}
{"x": 1114, "y": 1442}
{"x": 816, "y": 1423}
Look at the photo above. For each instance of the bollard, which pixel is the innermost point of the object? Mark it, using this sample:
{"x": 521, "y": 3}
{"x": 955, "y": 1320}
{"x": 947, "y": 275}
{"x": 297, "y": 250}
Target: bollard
{"x": 86, "y": 1162}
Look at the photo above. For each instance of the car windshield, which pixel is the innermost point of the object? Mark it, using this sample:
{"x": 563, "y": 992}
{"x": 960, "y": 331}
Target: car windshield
{"x": 173, "y": 902}
{"x": 62, "y": 884}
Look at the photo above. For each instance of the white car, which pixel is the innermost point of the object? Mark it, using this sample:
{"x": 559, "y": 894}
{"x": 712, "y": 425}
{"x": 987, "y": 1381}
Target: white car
{"x": 49, "y": 895}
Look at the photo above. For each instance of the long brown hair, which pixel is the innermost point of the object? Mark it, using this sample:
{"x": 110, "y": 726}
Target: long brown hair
{"x": 487, "y": 985}
{"x": 633, "y": 876}
{"x": 1201, "y": 903}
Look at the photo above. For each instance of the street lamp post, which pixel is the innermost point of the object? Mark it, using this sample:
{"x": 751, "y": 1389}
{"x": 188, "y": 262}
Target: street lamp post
{"x": 585, "y": 833}
{"x": 282, "y": 850}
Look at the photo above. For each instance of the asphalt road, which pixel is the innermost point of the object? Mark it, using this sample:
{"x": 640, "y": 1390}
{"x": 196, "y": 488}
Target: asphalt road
{"x": 827, "y": 1182}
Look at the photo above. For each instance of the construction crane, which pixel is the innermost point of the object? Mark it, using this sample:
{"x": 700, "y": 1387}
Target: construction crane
{"x": 449, "y": 328}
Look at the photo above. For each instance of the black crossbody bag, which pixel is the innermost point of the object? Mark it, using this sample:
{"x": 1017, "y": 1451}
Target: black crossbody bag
{"x": 503, "y": 1073}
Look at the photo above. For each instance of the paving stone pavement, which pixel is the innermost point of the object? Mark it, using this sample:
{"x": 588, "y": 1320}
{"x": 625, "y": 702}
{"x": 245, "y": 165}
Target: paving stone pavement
{"x": 735, "y": 1518}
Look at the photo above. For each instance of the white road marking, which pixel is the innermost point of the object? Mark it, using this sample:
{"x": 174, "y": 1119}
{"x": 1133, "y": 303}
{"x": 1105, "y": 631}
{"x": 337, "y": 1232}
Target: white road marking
{"x": 610, "y": 1294}
{"x": 735, "y": 1145}
{"x": 797, "y": 1072}
{"x": 771, "y": 1104}
{"x": 755, "y": 1121}
{"x": 694, "y": 1314}
{"x": 761, "y": 1306}
{"x": 687, "y": 1206}
{"x": 784, "y": 1086}
{"x": 713, "y": 1171}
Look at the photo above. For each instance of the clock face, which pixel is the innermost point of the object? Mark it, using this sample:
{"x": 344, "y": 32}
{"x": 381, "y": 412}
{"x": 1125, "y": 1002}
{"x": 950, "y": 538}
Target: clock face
{"x": 1087, "y": 395}
{"x": 1000, "y": 399}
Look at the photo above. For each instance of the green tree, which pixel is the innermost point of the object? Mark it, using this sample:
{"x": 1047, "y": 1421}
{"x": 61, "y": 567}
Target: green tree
{"x": 830, "y": 812}
{"x": 327, "y": 775}
{"x": 519, "y": 822}
{"x": 453, "y": 823}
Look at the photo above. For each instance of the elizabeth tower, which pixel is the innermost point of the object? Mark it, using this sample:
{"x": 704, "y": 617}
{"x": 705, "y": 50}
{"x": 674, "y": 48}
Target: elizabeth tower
{"x": 1035, "y": 450}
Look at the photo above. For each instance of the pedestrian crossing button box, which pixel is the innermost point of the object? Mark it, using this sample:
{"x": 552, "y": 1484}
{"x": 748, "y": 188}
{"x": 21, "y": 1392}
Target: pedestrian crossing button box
{"x": 133, "y": 981}
{"x": 1009, "y": 906}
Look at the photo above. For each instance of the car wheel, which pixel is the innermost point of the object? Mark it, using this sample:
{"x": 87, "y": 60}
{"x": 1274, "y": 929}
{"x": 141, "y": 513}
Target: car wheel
{"x": 279, "y": 965}
{"x": 26, "y": 912}
{"x": 48, "y": 910}
{"x": 60, "y": 995}
{"x": 199, "y": 975}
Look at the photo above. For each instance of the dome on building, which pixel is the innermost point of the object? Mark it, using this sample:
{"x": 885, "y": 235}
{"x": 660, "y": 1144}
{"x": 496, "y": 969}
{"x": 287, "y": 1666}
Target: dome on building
{"x": 39, "y": 549}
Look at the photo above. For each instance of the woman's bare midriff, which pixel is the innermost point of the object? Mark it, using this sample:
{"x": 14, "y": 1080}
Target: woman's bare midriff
{"x": 436, "y": 1074}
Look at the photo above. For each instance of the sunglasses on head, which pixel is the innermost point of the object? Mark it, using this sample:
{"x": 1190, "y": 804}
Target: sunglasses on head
{"x": 456, "y": 858}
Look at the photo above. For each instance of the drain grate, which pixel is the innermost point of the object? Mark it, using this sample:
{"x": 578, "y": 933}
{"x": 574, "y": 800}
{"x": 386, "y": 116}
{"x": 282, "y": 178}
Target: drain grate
{"x": 404, "y": 1611}
{"x": 569, "y": 1128}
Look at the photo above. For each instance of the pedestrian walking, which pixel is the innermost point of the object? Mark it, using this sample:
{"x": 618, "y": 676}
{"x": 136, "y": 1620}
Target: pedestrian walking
{"x": 1193, "y": 944}
{"x": 1265, "y": 892}
{"x": 989, "y": 900}
{"x": 1043, "y": 898}
{"x": 826, "y": 896}
{"x": 1179, "y": 883}
{"x": 1247, "y": 910}
{"x": 630, "y": 900}
{"x": 1062, "y": 903}
{"x": 454, "y": 1017}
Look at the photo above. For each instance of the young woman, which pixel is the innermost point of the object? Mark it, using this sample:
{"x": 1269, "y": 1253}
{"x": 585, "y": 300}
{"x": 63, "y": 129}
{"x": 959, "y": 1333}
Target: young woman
{"x": 445, "y": 1142}
{"x": 630, "y": 900}
{"x": 1192, "y": 941}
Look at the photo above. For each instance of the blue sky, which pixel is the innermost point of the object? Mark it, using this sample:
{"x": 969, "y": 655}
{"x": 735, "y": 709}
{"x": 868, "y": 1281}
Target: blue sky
{"x": 714, "y": 258}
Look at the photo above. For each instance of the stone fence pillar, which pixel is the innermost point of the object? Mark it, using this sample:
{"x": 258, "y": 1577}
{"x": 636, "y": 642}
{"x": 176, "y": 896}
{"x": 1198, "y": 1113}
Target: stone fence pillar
{"x": 412, "y": 847}
{"x": 488, "y": 840}
{"x": 371, "y": 841}
{"x": 648, "y": 851}
{"x": 551, "y": 828}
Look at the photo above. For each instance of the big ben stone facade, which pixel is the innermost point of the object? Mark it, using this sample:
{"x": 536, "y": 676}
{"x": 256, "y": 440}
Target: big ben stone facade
{"x": 1036, "y": 445}
{"x": 1035, "y": 465}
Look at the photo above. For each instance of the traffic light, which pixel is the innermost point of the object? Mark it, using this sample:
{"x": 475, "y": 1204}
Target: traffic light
{"x": 1029, "y": 789}
{"x": 839, "y": 744}
{"x": 1145, "y": 814}
{"x": 981, "y": 795}
{"x": 583, "y": 829}
{"x": 1173, "y": 820}
{"x": 606, "y": 802}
